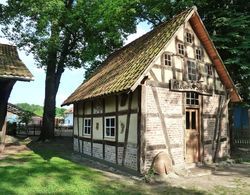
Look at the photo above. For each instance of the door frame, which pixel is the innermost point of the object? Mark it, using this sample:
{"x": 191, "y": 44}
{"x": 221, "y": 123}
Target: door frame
{"x": 199, "y": 131}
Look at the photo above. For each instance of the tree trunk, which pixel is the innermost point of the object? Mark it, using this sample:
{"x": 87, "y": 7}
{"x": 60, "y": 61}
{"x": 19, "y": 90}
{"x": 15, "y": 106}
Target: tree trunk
{"x": 5, "y": 90}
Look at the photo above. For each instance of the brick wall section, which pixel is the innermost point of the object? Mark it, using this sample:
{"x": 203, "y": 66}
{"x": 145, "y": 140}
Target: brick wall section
{"x": 210, "y": 107}
{"x": 172, "y": 107}
{"x": 131, "y": 157}
{"x": 97, "y": 150}
{"x": 110, "y": 153}
{"x": 87, "y": 148}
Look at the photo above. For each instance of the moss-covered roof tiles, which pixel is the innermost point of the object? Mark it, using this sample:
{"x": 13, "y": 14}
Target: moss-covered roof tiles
{"x": 122, "y": 69}
{"x": 11, "y": 67}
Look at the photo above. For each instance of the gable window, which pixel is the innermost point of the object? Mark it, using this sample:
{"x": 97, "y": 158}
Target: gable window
{"x": 192, "y": 98}
{"x": 192, "y": 71}
{"x": 189, "y": 37}
{"x": 87, "y": 126}
{"x": 209, "y": 69}
{"x": 180, "y": 47}
{"x": 110, "y": 127}
{"x": 198, "y": 54}
{"x": 167, "y": 59}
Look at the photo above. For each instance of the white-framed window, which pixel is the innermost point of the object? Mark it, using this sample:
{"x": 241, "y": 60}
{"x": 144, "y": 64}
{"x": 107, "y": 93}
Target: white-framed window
{"x": 110, "y": 126}
{"x": 198, "y": 54}
{"x": 87, "y": 126}
{"x": 181, "y": 49}
{"x": 167, "y": 59}
{"x": 189, "y": 38}
{"x": 192, "y": 70}
{"x": 192, "y": 98}
{"x": 209, "y": 69}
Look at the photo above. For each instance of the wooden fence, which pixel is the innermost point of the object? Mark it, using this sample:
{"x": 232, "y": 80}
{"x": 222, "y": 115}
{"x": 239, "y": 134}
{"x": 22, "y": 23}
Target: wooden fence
{"x": 35, "y": 130}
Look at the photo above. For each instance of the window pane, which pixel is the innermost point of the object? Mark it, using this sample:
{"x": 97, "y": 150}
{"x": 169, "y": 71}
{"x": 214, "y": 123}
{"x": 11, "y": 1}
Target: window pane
{"x": 112, "y": 122}
{"x": 107, "y": 132}
{"x": 112, "y": 132}
{"x": 107, "y": 122}
{"x": 193, "y": 119}
{"x": 187, "y": 121}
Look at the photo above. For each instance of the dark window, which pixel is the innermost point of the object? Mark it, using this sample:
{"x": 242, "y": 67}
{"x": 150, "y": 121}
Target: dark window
{"x": 209, "y": 69}
{"x": 187, "y": 121}
{"x": 87, "y": 126}
{"x": 192, "y": 98}
{"x": 189, "y": 37}
{"x": 198, "y": 54}
{"x": 180, "y": 48}
{"x": 167, "y": 59}
{"x": 192, "y": 71}
{"x": 110, "y": 126}
{"x": 193, "y": 119}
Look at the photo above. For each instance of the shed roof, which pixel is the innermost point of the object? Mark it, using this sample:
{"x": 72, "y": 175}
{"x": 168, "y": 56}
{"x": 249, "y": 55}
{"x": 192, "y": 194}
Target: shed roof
{"x": 124, "y": 69}
{"x": 11, "y": 67}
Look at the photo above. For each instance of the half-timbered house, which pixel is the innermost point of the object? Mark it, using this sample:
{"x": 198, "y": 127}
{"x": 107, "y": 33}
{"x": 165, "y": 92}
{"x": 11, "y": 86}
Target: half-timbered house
{"x": 166, "y": 91}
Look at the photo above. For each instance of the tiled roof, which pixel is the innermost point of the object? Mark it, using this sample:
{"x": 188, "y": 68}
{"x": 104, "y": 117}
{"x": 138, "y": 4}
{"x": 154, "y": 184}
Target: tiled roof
{"x": 11, "y": 67}
{"x": 123, "y": 68}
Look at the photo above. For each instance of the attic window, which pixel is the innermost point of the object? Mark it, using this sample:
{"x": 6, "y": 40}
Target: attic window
{"x": 209, "y": 69}
{"x": 167, "y": 59}
{"x": 192, "y": 70}
{"x": 180, "y": 47}
{"x": 189, "y": 37}
{"x": 198, "y": 54}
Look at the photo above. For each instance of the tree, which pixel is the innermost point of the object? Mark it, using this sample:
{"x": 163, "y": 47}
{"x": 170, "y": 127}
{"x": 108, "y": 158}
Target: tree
{"x": 228, "y": 23}
{"x": 66, "y": 33}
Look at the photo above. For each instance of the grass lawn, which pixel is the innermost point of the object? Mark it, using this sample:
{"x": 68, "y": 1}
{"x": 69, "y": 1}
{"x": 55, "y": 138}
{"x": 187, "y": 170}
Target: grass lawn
{"x": 46, "y": 170}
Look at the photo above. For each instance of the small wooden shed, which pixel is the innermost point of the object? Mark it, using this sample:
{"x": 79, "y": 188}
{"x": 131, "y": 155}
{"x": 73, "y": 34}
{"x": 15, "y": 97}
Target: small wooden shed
{"x": 12, "y": 69}
{"x": 167, "y": 91}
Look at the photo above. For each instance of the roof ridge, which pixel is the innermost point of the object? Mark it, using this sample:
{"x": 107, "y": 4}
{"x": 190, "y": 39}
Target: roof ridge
{"x": 122, "y": 68}
{"x": 114, "y": 53}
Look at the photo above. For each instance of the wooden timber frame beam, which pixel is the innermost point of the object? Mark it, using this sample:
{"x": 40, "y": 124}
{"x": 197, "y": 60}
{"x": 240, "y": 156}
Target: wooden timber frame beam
{"x": 117, "y": 127}
{"x": 139, "y": 116}
{"x": 103, "y": 127}
{"x": 83, "y": 112}
{"x": 127, "y": 128}
{"x": 163, "y": 124}
{"x": 92, "y": 123}
{"x": 78, "y": 128}
{"x": 219, "y": 128}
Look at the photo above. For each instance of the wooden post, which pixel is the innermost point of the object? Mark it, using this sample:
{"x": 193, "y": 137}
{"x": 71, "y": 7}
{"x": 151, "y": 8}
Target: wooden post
{"x": 103, "y": 128}
{"x": 139, "y": 128}
{"x": 117, "y": 127}
{"x": 3, "y": 138}
{"x": 78, "y": 129}
{"x": 92, "y": 123}
{"x": 5, "y": 90}
{"x": 127, "y": 129}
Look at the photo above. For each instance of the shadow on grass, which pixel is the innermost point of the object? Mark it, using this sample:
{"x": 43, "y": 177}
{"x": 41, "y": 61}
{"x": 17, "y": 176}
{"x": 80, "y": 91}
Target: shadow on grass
{"x": 47, "y": 169}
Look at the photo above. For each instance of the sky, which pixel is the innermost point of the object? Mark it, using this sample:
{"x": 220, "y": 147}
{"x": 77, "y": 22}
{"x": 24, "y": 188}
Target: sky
{"x": 33, "y": 92}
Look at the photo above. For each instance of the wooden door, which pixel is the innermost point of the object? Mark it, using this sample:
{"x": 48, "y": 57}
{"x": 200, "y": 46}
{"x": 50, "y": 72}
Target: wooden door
{"x": 192, "y": 136}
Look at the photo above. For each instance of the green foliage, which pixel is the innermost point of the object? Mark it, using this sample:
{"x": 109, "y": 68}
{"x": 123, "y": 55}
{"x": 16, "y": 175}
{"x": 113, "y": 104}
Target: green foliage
{"x": 38, "y": 110}
{"x": 79, "y": 32}
{"x": 26, "y": 117}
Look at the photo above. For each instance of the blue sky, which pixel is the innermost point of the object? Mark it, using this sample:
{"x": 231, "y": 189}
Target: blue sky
{"x": 33, "y": 92}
